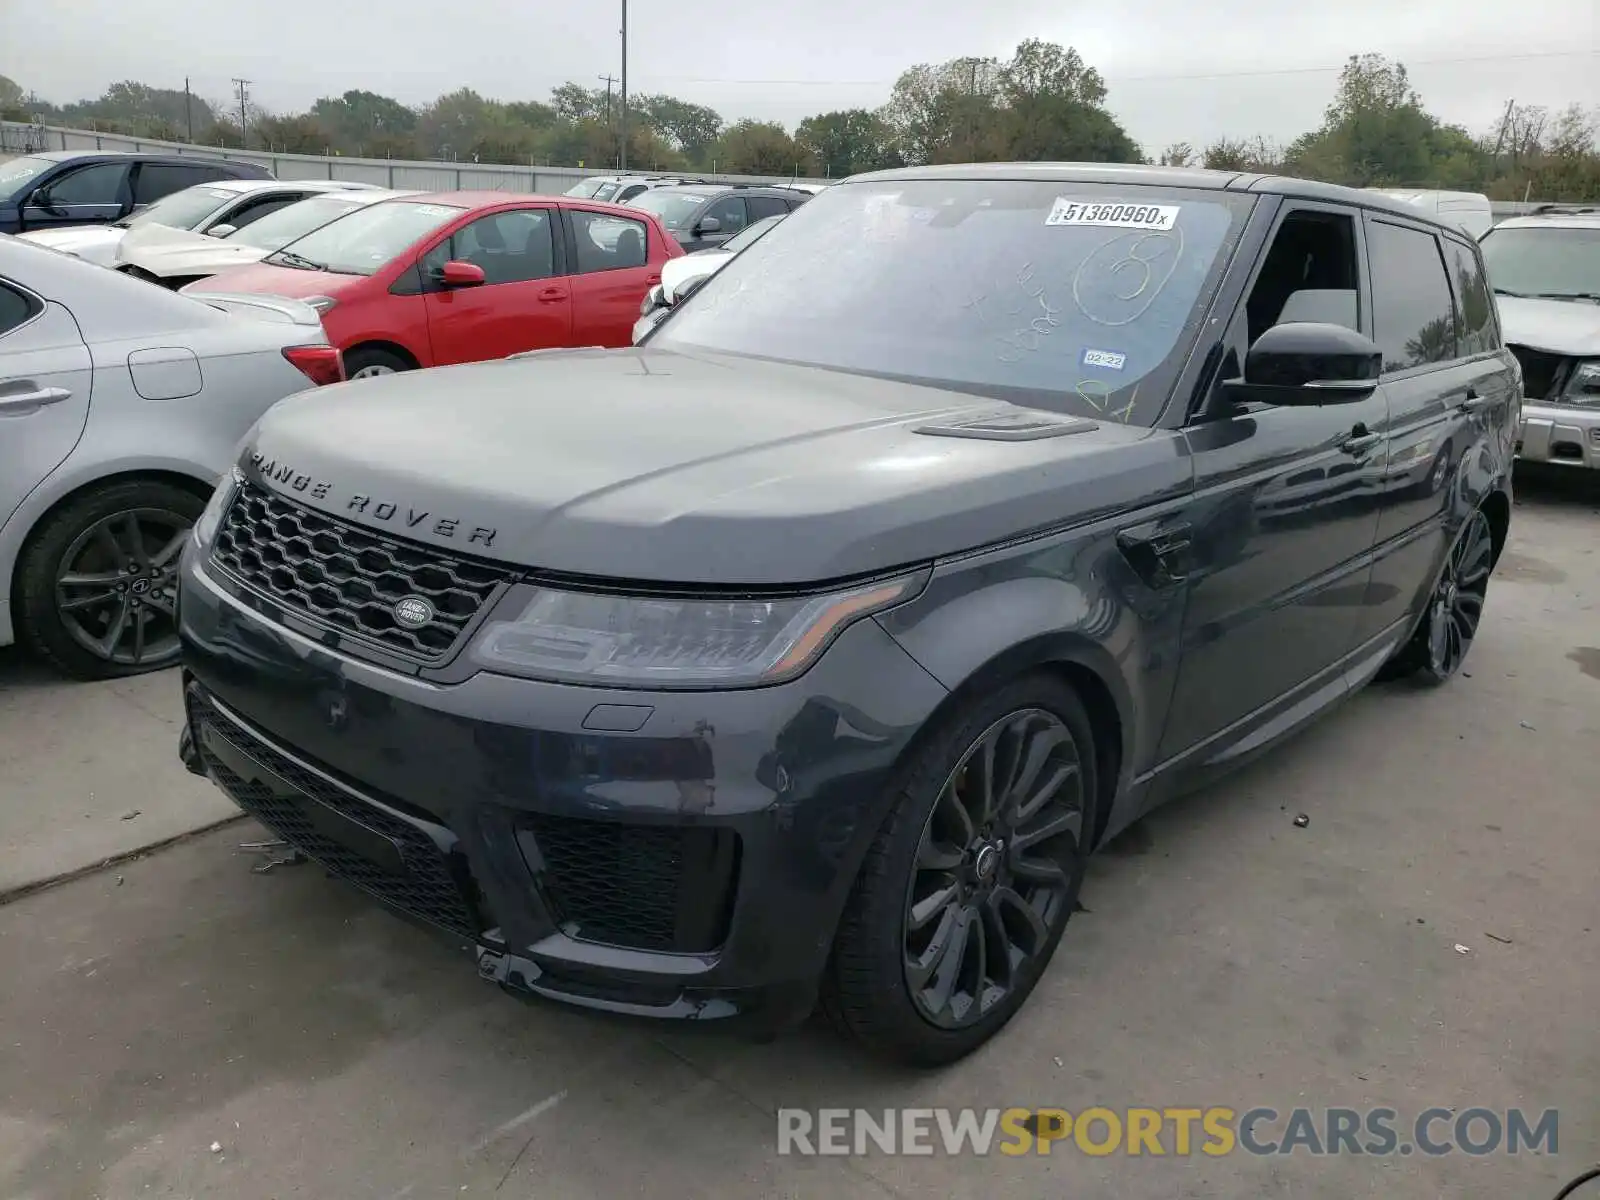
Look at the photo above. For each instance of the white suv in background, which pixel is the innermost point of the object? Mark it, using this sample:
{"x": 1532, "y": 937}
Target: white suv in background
{"x": 618, "y": 189}
{"x": 1545, "y": 271}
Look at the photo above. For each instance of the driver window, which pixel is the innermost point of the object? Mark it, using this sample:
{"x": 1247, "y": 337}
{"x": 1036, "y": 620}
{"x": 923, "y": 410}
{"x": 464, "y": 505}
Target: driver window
{"x": 511, "y": 247}
{"x": 101, "y": 183}
{"x": 729, "y": 211}
{"x": 1309, "y": 274}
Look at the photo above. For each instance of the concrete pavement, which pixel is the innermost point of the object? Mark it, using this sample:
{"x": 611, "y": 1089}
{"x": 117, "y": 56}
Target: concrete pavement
{"x": 1226, "y": 957}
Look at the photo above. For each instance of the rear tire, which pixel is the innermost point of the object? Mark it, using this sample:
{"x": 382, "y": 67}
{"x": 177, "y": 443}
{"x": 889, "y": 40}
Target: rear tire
{"x": 97, "y": 582}
{"x": 364, "y": 362}
{"x": 1449, "y": 623}
{"x": 934, "y": 956}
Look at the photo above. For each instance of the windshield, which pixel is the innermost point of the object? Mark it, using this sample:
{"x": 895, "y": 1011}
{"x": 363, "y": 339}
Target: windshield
{"x": 363, "y": 242}
{"x": 1549, "y": 261}
{"x": 675, "y": 209}
{"x": 586, "y": 188}
{"x": 751, "y": 233}
{"x": 17, "y": 172}
{"x": 1072, "y": 297}
{"x": 181, "y": 210}
{"x": 277, "y": 229}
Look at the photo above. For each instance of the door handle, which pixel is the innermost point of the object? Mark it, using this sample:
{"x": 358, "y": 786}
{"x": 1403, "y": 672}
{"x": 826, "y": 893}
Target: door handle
{"x": 551, "y": 295}
{"x": 37, "y": 398}
{"x": 1472, "y": 402}
{"x": 652, "y": 280}
{"x": 1359, "y": 441}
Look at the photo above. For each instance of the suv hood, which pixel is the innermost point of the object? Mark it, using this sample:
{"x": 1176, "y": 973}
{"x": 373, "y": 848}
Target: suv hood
{"x": 670, "y": 468}
{"x": 1570, "y": 327}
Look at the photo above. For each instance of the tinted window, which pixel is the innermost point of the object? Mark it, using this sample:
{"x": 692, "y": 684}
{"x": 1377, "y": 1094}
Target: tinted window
{"x": 1014, "y": 289}
{"x": 729, "y": 212}
{"x": 185, "y": 209}
{"x": 607, "y": 243}
{"x": 252, "y": 211}
{"x": 629, "y": 192}
{"x": 1543, "y": 261}
{"x": 765, "y": 206}
{"x": 15, "y": 308}
{"x": 363, "y": 242}
{"x": 98, "y": 184}
{"x": 511, "y": 247}
{"x": 1475, "y": 333}
{"x": 1411, "y": 308}
{"x": 156, "y": 180}
{"x": 676, "y": 209}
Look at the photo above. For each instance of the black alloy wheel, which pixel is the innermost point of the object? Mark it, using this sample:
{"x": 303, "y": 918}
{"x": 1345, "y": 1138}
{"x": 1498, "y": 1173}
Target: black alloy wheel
{"x": 989, "y": 881}
{"x": 1449, "y": 624}
{"x": 970, "y": 881}
{"x": 1457, "y": 603}
{"x": 99, "y": 582}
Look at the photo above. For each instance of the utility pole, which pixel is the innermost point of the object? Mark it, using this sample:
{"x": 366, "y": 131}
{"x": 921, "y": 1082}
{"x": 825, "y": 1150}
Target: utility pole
{"x": 188, "y": 109}
{"x": 1505, "y": 125}
{"x": 243, "y": 84}
{"x": 610, "y": 126}
{"x": 623, "y": 123}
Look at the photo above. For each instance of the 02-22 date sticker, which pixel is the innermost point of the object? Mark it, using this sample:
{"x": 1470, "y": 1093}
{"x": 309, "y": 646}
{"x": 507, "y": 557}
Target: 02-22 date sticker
{"x": 1112, "y": 214}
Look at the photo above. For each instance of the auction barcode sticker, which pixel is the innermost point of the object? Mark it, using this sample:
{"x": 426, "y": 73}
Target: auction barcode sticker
{"x": 1112, "y": 214}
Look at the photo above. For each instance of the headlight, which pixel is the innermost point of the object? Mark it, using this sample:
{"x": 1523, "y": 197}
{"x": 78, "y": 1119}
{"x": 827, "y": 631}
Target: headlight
{"x": 1583, "y": 385}
{"x": 206, "y": 527}
{"x": 686, "y": 642}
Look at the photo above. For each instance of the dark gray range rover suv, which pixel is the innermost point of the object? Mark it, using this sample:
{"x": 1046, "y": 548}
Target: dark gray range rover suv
{"x": 806, "y": 650}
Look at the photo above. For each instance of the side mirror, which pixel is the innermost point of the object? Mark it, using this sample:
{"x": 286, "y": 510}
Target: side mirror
{"x": 655, "y": 298}
{"x": 707, "y": 225}
{"x": 457, "y": 274}
{"x": 688, "y": 288}
{"x": 1308, "y": 363}
{"x": 38, "y": 198}
{"x": 222, "y": 230}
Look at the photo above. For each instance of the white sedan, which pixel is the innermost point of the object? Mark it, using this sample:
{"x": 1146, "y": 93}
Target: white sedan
{"x": 175, "y": 259}
{"x": 678, "y": 275}
{"x": 120, "y": 407}
{"x": 215, "y": 208}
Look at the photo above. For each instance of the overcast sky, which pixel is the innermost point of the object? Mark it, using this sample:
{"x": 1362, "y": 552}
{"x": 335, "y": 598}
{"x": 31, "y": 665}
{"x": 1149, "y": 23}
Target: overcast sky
{"x": 1177, "y": 70}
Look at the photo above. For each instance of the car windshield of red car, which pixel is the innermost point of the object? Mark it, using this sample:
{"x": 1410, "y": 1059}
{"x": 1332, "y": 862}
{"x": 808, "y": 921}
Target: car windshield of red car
{"x": 366, "y": 240}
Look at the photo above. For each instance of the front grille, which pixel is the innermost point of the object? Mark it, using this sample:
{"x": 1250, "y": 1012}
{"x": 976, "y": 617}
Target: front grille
{"x": 1541, "y": 371}
{"x": 426, "y": 889}
{"x": 350, "y": 577}
{"x": 645, "y": 887}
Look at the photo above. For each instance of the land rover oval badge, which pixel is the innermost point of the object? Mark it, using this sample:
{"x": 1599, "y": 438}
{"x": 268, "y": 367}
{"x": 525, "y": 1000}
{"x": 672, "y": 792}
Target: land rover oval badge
{"x": 412, "y": 613}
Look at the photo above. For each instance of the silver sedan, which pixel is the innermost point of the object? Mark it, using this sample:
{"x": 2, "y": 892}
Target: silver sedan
{"x": 120, "y": 406}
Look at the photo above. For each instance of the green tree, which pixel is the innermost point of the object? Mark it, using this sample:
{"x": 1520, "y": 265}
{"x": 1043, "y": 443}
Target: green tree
{"x": 947, "y": 112}
{"x": 1054, "y": 108}
{"x": 757, "y": 148}
{"x": 10, "y": 93}
{"x": 847, "y": 142}
{"x": 693, "y": 129}
{"x": 359, "y": 120}
{"x": 1374, "y": 133}
{"x": 298, "y": 133}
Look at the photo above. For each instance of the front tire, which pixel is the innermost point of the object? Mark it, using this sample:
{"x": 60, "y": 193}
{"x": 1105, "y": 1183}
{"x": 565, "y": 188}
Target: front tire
{"x": 97, "y": 584}
{"x": 971, "y": 880}
{"x": 1449, "y": 624}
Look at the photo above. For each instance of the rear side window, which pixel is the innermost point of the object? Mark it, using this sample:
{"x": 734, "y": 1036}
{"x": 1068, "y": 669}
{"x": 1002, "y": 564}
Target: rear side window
{"x": 1411, "y": 305}
{"x": 729, "y": 212}
{"x": 16, "y": 308}
{"x": 254, "y": 210}
{"x": 765, "y": 206}
{"x": 156, "y": 180}
{"x": 1475, "y": 331}
{"x": 607, "y": 243}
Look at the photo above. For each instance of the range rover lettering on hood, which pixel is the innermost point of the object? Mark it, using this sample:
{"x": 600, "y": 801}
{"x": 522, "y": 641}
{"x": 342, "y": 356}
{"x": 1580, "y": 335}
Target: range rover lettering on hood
{"x": 372, "y": 509}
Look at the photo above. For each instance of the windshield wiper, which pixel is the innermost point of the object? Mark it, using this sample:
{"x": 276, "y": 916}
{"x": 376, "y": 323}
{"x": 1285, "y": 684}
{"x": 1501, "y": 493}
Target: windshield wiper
{"x": 1567, "y": 296}
{"x": 299, "y": 261}
{"x": 1513, "y": 295}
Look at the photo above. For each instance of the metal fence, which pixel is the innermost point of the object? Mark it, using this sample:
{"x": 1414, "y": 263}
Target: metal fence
{"x": 18, "y": 138}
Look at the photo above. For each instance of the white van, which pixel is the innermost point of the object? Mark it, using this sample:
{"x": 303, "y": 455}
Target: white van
{"x": 1469, "y": 210}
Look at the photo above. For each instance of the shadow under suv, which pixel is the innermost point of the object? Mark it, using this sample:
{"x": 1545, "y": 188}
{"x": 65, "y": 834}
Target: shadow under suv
{"x": 809, "y": 649}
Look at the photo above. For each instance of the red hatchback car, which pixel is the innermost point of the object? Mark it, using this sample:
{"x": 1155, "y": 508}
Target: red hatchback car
{"x": 455, "y": 277}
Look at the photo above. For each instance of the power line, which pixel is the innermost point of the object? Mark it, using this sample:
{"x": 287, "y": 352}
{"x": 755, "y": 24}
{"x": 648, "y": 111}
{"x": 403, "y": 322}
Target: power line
{"x": 1118, "y": 78}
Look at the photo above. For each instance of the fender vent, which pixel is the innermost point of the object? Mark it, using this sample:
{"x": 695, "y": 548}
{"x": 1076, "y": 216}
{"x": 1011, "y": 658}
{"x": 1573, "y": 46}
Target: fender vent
{"x": 1027, "y": 426}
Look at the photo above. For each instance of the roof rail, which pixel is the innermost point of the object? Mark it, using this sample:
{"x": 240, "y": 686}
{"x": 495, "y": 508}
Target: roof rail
{"x": 1569, "y": 209}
